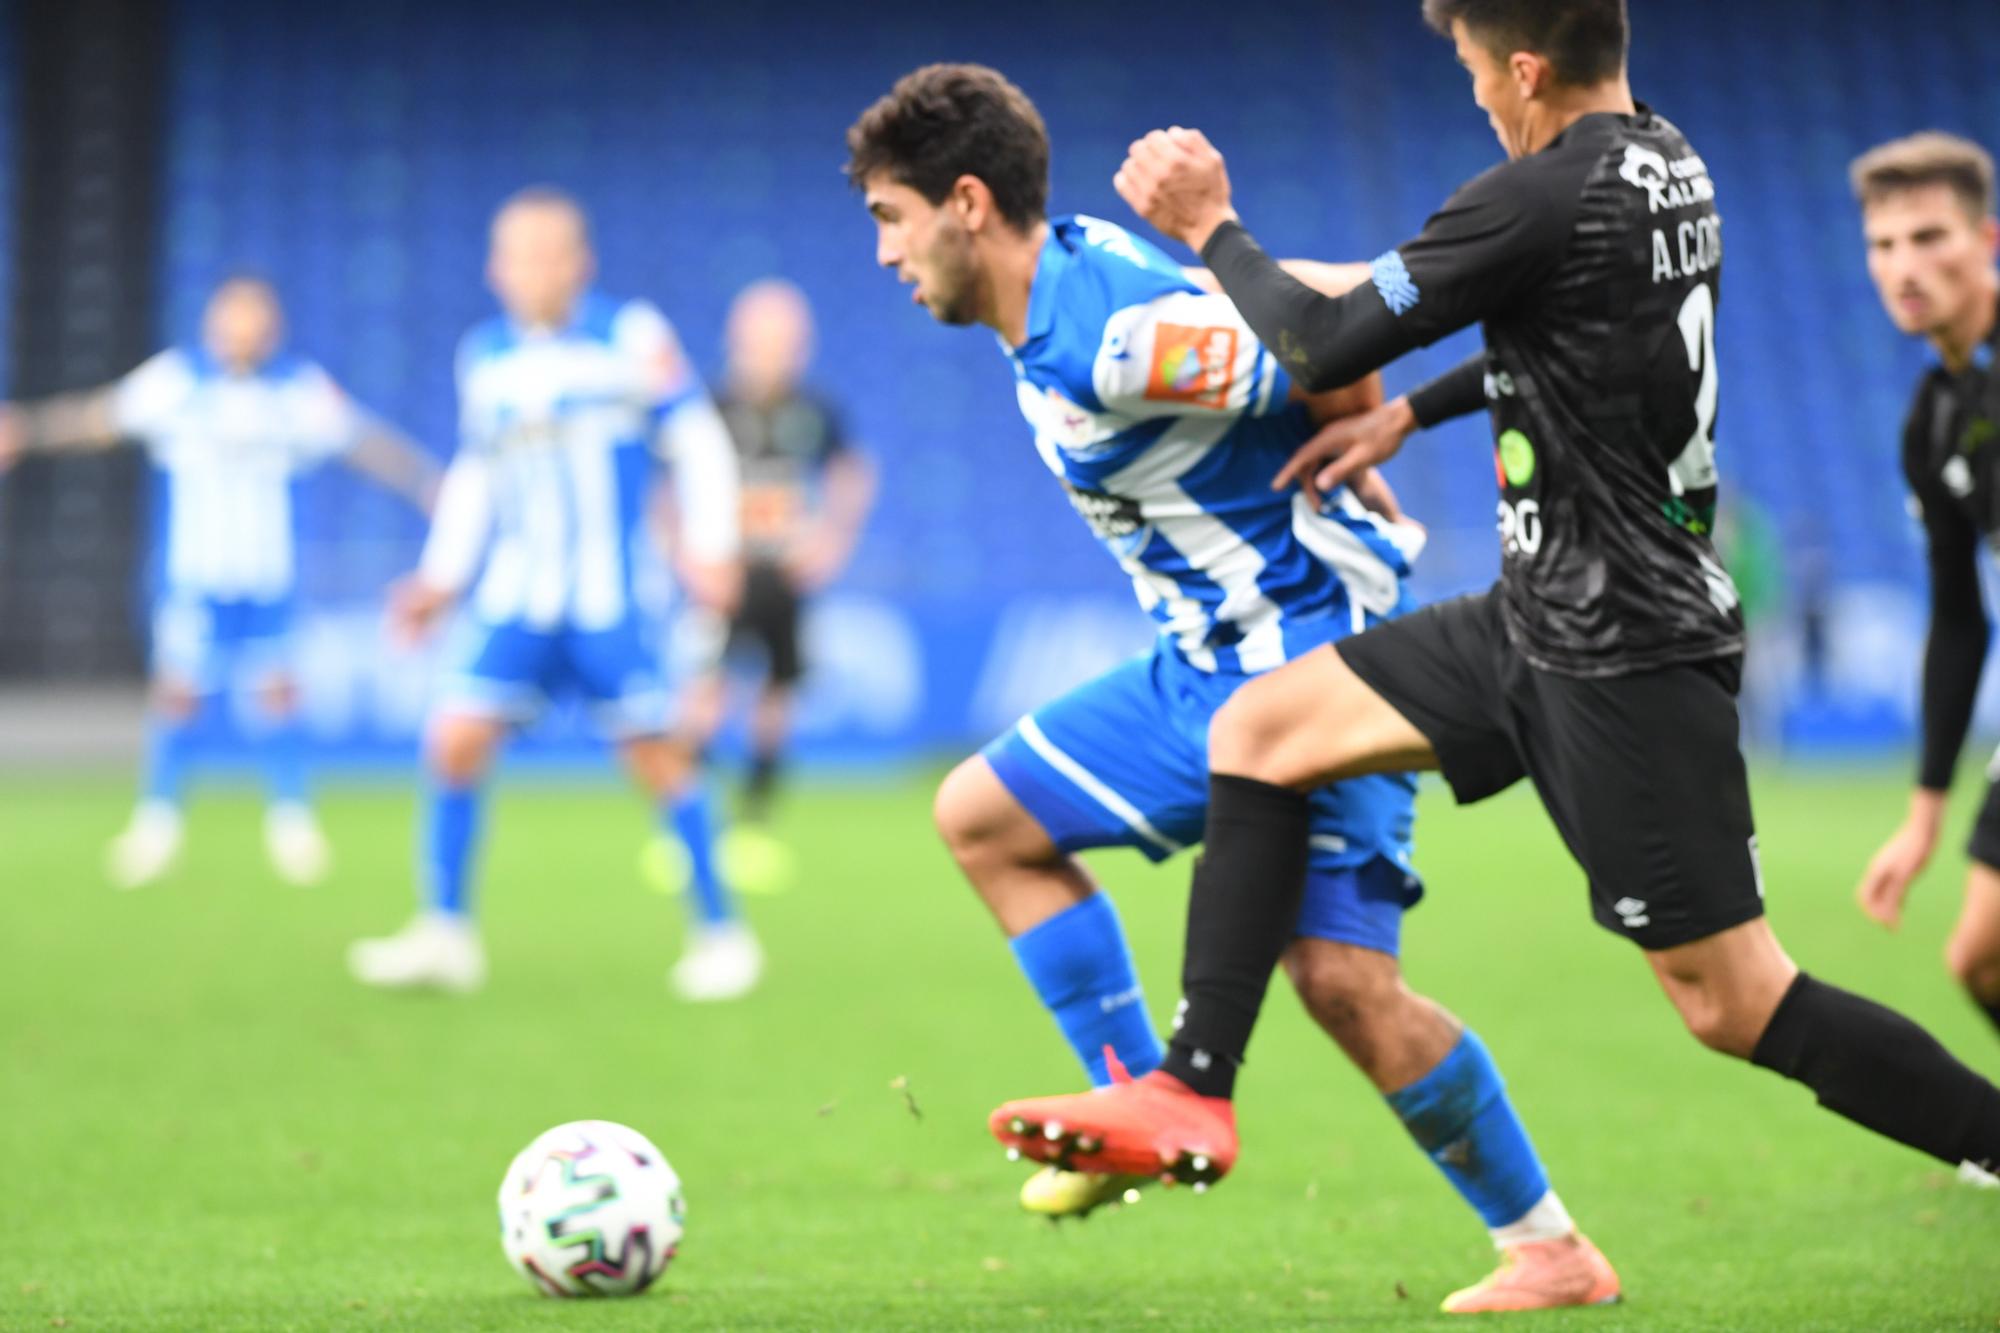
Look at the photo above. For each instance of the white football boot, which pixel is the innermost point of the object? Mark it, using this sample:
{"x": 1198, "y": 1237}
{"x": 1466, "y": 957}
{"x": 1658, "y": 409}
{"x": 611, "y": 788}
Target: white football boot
{"x": 721, "y": 963}
{"x": 147, "y": 847}
{"x": 298, "y": 850}
{"x": 434, "y": 951}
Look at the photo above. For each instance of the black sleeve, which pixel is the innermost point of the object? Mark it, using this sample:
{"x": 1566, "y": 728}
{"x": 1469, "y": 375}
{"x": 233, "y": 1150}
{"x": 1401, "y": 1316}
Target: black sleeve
{"x": 1458, "y": 392}
{"x": 1490, "y": 246}
{"x": 1955, "y": 652}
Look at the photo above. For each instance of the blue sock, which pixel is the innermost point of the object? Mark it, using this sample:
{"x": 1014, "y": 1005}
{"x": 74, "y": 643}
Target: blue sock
{"x": 1460, "y": 1116}
{"x": 168, "y": 743}
{"x": 1079, "y": 966}
{"x": 451, "y": 828}
{"x": 687, "y": 818}
{"x": 284, "y": 754}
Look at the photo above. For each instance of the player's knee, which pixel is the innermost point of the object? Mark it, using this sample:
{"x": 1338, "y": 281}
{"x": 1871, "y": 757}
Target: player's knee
{"x": 1347, "y": 989}
{"x": 174, "y": 700}
{"x": 278, "y": 697}
{"x": 457, "y": 750}
{"x": 957, "y": 811}
{"x": 1724, "y": 1028}
{"x": 1974, "y": 961}
{"x": 1246, "y": 735}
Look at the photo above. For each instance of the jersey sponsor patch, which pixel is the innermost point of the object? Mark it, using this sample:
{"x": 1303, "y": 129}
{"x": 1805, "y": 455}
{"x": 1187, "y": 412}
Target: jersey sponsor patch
{"x": 1192, "y": 364}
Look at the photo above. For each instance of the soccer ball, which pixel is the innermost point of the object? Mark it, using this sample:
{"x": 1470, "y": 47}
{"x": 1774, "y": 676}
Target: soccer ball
{"x": 591, "y": 1208}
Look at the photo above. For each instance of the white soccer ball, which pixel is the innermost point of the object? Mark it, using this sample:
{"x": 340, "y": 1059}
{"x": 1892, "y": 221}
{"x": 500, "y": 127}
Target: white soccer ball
{"x": 591, "y": 1208}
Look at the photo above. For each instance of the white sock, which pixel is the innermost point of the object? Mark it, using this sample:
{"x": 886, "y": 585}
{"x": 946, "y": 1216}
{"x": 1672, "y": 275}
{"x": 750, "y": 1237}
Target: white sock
{"x": 1547, "y": 1220}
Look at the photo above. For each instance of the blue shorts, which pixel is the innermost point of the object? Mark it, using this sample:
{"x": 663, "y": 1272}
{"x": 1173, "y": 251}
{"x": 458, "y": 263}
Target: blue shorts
{"x": 511, "y": 671}
{"x": 1123, "y": 762}
{"x": 213, "y": 643}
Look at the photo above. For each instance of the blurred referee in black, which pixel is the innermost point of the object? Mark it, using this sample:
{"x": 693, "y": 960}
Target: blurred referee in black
{"x": 806, "y": 495}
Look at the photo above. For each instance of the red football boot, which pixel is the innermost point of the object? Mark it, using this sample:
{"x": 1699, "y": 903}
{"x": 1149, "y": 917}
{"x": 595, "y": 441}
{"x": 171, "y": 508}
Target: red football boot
{"x": 1151, "y": 1126}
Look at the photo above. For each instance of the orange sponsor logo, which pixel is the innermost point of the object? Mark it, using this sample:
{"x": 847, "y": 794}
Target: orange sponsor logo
{"x": 1192, "y": 364}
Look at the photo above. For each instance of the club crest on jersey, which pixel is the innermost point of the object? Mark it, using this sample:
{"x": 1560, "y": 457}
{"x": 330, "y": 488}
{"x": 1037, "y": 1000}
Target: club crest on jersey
{"x": 1192, "y": 365}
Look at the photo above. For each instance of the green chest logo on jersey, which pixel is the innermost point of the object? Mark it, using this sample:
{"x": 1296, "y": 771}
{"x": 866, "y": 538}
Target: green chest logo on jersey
{"x": 1515, "y": 457}
{"x": 1979, "y": 432}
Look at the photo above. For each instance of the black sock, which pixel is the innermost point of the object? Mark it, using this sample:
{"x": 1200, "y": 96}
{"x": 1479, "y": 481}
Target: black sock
{"x": 1242, "y": 910}
{"x": 1880, "y": 1070}
{"x": 760, "y": 787}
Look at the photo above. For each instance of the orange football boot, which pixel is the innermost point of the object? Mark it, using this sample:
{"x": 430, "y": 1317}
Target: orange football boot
{"x": 1151, "y": 1126}
{"x": 1541, "y": 1275}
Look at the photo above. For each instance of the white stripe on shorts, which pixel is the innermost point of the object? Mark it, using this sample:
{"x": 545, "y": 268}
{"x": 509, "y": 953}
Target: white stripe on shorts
{"x": 1092, "y": 786}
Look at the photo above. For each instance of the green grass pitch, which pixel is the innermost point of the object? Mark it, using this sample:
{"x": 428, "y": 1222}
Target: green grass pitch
{"x": 206, "y": 1126}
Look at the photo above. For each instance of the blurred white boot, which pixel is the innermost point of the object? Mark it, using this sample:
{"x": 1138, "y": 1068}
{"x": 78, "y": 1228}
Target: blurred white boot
{"x": 721, "y": 963}
{"x": 434, "y": 950}
{"x": 298, "y": 850}
{"x": 147, "y": 847}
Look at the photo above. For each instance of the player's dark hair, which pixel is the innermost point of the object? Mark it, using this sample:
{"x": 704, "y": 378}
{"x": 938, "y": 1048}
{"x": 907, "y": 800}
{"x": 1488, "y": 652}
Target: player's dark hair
{"x": 1584, "y": 41}
{"x": 1928, "y": 158}
{"x": 942, "y": 122}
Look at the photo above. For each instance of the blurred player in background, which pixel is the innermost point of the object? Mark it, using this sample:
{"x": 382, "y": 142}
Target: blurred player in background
{"x": 1164, "y": 419}
{"x": 229, "y": 425}
{"x": 806, "y": 494}
{"x": 562, "y": 401}
{"x": 1928, "y": 213}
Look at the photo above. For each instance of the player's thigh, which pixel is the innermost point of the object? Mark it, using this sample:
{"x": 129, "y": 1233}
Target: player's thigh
{"x": 1118, "y": 761}
{"x": 498, "y": 672}
{"x": 1973, "y": 951}
{"x": 187, "y": 658}
{"x": 1644, "y": 780}
{"x": 620, "y": 673}
{"x": 1309, "y": 722}
{"x": 459, "y": 746}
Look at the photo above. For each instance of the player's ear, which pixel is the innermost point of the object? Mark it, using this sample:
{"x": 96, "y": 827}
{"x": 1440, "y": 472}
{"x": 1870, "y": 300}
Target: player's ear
{"x": 1989, "y": 232}
{"x": 1531, "y": 73}
{"x": 972, "y": 201}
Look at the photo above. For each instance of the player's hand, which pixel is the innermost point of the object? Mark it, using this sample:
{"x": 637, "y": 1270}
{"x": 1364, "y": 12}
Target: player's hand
{"x": 1378, "y": 497}
{"x": 415, "y": 608}
{"x": 1345, "y": 447}
{"x": 716, "y": 585}
{"x": 814, "y": 563}
{"x": 13, "y": 436}
{"x": 1886, "y": 882}
{"x": 1176, "y": 180}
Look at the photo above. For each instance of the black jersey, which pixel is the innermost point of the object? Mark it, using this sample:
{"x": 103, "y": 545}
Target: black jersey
{"x": 1593, "y": 266}
{"x": 782, "y": 448}
{"x": 1951, "y": 460}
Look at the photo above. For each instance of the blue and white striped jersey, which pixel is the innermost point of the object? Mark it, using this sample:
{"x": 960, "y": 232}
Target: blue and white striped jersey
{"x": 1166, "y": 419}
{"x": 550, "y": 484}
{"x": 228, "y": 448}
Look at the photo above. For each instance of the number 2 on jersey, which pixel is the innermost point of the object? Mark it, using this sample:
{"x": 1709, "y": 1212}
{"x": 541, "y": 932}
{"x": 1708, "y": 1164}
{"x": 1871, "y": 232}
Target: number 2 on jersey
{"x": 1694, "y": 469}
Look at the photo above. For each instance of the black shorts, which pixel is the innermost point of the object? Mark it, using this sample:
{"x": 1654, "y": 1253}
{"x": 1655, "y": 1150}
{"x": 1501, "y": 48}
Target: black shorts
{"x": 1642, "y": 774}
{"x": 769, "y": 617}
{"x": 1984, "y": 846}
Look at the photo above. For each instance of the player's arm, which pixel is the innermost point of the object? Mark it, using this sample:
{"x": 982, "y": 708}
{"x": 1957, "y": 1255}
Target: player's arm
{"x": 847, "y": 497}
{"x": 1954, "y": 657}
{"x": 695, "y": 442}
{"x": 1379, "y": 428}
{"x": 1328, "y": 279}
{"x": 1492, "y": 242}
{"x": 387, "y": 456}
{"x": 461, "y": 529}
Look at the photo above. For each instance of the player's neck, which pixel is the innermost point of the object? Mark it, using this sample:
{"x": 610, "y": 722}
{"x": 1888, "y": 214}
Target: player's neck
{"x": 1956, "y": 342}
{"x": 1564, "y": 107}
{"x": 1015, "y": 258}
